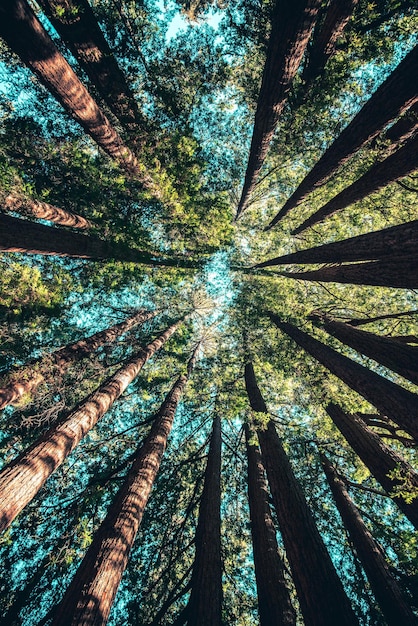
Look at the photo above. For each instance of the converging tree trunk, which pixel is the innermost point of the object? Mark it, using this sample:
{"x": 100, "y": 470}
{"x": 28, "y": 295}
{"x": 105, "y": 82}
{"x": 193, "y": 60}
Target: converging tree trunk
{"x": 89, "y": 598}
{"x": 394, "y": 96}
{"x": 320, "y": 592}
{"x": 274, "y": 603}
{"x": 395, "y": 355}
{"x": 401, "y": 131}
{"x": 292, "y": 24}
{"x": 399, "y": 164}
{"x": 21, "y": 480}
{"x": 395, "y": 475}
{"x": 389, "y": 596}
{"x": 399, "y": 404}
{"x": 15, "y": 202}
{"x": 205, "y": 603}
{"x": 25, "y": 379}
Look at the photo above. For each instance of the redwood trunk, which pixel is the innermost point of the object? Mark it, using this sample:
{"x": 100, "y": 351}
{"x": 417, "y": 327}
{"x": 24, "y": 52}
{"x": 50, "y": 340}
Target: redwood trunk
{"x": 391, "y": 353}
{"x": 399, "y": 404}
{"x": 399, "y": 164}
{"x": 394, "y": 96}
{"x": 320, "y": 592}
{"x": 21, "y": 480}
{"x": 205, "y": 603}
{"x": 292, "y": 24}
{"x": 274, "y": 603}
{"x": 43, "y": 211}
{"x": 89, "y": 598}
{"x": 25, "y": 379}
{"x": 379, "y": 458}
{"x": 394, "y": 607}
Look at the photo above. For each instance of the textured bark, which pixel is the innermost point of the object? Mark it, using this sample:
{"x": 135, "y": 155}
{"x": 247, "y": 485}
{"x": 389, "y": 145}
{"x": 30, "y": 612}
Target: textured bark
{"x": 399, "y": 164}
{"x": 397, "y": 356}
{"x": 23, "y": 236}
{"x": 89, "y": 598}
{"x": 394, "y": 241}
{"x": 379, "y": 459}
{"x": 320, "y": 592}
{"x": 393, "y": 272}
{"x": 25, "y": 379}
{"x": 386, "y": 590}
{"x": 76, "y": 23}
{"x": 21, "y": 480}
{"x": 394, "y": 96}
{"x": 399, "y": 404}
{"x": 43, "y": 211}
{"x": 292, "y": 24}
{"x": 274, "y": 603}
{"x": 205, "y": 603}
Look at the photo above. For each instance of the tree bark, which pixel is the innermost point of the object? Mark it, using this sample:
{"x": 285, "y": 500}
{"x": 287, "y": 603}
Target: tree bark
{"x": 25, "y": 379}
{"x": 393, "y": 241}
{"x": 292, "y": 24}
{"x": 320, "y": 592}
{"x": 23, "y": 205}
{"x": 386, "y": 590}
{"x": 274, "y": 603}
{"x": 399, "y": 164}
{"x": 21, "y": 480}
{"x": 379, "y": 459}
{"x": 398, "y": 357}
{"x": 394, "y": 96}
{"x": 398, "y": 271}
{"x": 89, "y": 598}
{"x": 205, "y": 602}
{"x": 399, "y": 404}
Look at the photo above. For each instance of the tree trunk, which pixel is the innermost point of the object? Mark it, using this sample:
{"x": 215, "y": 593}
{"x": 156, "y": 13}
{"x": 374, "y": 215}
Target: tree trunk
{"x": 386, "y": 590}
{"x": 379, "y": 459}
{"x": 401, "y": 131}
{"x": 320, "y": 592}
{"x": 394, "y": 241}
{"x": 21, "y": 480}
{"x": 394, "y": 96}
{"x": 393, "y": 272}
{"x": 398, "y": 357}
{"x": 399, "y": 164}
{"x": 399, "y": 404}
{"x": 274, "y": 603}
{"x": 292, "y": 24}
{"x": 23, "y": 236}
{"x": 25, "y": 379}
{"x": 76, "y": 23}
{"x": 89, "y": 598}
{"x": 324, "y": 43}
{"x": 205, "y": 602}
{"x": 43, "y": 211}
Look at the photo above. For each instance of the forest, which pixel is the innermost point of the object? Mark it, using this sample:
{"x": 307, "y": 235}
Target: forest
{"x": 208, "y": 312}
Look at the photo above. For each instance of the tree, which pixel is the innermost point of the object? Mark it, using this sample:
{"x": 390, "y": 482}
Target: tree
{"x": 17, "y": 203}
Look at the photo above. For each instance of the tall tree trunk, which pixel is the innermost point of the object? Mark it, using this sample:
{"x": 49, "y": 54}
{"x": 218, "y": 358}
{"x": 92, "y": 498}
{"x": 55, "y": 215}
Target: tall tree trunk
{"x": 25, "y": 35}
{"x": 23, "y": 205}
{"x": 21, "y": 480}
{"x": 387, "y": 316}
{"x": 274, "y": 603}
{"x": 398, "y": 271}
{"x": 394, "y": 96}
{"x": 205, "y": 602}
{"x": 379, "y": 459}
{"x": 324, "y": 42}
{"x": 386, "y": 590}
{"x": 25, "y": 379}
{"x": 89, "y": 598}
{"x": 399, "y": 404}
{"x": 397, "y": 356}
{"x": 320, "y": 592}
{"x": 292, "y": 24}
{"x": 393, "y": 241}
{"x": 399, "y": 164}
{"x": 401, "y": 131}
{"x": 76, "y": 23}
{"x": 23, "y": 236}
